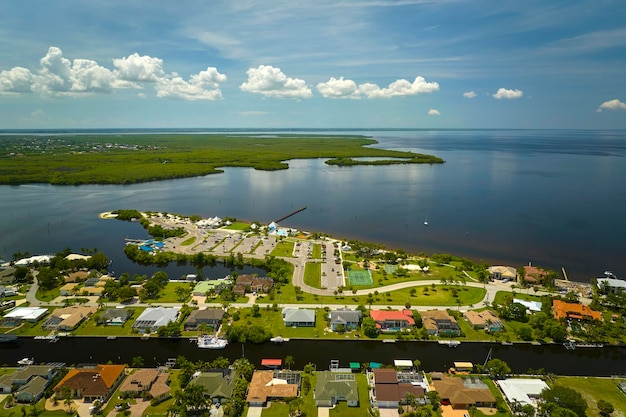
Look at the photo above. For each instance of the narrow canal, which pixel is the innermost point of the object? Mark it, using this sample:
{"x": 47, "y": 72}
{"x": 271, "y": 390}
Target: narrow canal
{"x": 433, "y": 356}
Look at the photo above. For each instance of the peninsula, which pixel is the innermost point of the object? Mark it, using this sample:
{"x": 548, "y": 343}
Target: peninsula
{"x": 126, "y": 159}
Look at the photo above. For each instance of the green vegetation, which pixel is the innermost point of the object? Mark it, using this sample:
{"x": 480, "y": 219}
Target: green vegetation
{"x": 188, "y": 242}
{"x": 127, "y": 159}
{"x": 284, "y": 248}
{"x": 594, "y": 389}
{"x": 312, "y": 274}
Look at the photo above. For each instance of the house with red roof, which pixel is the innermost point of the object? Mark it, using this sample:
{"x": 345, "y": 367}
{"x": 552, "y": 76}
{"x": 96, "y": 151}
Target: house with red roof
{"x": 392, "y": 320}
{"x": 92, "y": 383}
{"x": 564, "y": 310}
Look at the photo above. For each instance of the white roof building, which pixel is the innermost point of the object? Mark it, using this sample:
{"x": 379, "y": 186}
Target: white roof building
{"x": 533, "y": 306}
{"x": 27, "y": 313}
{"x": 523, "y": 390}
{"x": 611, "y": 284}
{"x": 42, "y": 259}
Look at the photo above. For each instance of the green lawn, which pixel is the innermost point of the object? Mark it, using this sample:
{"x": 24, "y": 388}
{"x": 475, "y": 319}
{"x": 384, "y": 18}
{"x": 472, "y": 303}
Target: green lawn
{"x": 189, "y": 241}
{"x": 342, "y": 409}
{"x": 594, "y": 389}
{"x": 312, "y": 274}
{"x": 238, "y": 226}
{"x": 284, "y": 248}
{"x": 91, "y": 328}
{"x": 316, "y": 253}
{"x": 43, "y": 295}
{"x": 168, "y": 294}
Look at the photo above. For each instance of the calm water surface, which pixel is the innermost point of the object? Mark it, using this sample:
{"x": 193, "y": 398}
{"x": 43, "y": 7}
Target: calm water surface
{"x": 553, "y": 198}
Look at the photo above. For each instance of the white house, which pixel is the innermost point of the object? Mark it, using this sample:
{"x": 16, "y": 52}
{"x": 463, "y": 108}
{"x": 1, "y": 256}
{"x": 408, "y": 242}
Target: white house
{"x": 154, "y": 317}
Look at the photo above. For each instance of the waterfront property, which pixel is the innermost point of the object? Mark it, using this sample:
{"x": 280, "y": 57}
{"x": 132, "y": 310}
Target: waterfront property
{"x": 211, "y": 317}
{"x": 464, "y": 392}
{"x": 149, "y": 380}
{"x": 440, "y": 323}
{"x": 349, "y": 319}
{"x": 114, "y": 316}
{"x": 298, "y": 317}
{"x": 392, "y": 320}
{"x": 486, "y": 320}
{"x": 92, "y": 383}
{"x": 502, "y": 272}
{"x": 68, "y": 318}
{"x": 522, "y": 390}
{"x": 534, "y": 275}
{"x": 154, "y": 317}
{"x": 268, "y": 385}
{"x": 611, "y": 285}
{"x": 28, "y": 383}
{"x": 532, "y": 306}
{"x": 216, "y": 286}
{"x": 27, "y": 314}
{"x": 216, "y": 384}
{"x": 250, "y": 283}
{"x": 566, "y": 311}
{"x": 333, "y": 387}
{"x": 391, "y": 387}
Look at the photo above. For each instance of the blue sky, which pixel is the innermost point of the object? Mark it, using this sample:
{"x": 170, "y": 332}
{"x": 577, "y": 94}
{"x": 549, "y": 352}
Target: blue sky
{"x": 317, "y": 64}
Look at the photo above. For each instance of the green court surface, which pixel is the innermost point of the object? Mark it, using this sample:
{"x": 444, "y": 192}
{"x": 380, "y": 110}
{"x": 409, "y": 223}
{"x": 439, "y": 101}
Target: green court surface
{"x": 360, "y": 277}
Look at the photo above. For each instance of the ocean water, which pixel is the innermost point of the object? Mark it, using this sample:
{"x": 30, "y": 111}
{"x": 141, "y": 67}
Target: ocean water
{"x": 553, "y": 198}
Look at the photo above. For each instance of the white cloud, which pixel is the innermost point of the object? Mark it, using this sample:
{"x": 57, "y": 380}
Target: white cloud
{"x": 253, "y": 113}
{"x": 399, "y": 88}
{"x": 614, "y": 104}
{"x": 271, "y": 82}
{"x": 58, "y": 76}
{"x": 338, "y": 88}
{"x": 136, "y": 68}
{"x": 508, "y": 94}
{"x": 434, "y": 112}
{"x": 201, "y": 86}
{"x": 469, "y": 94}
{"x": 16, "y": 80}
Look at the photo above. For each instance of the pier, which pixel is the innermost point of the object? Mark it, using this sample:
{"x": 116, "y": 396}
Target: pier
{"x": 290, "y": 214}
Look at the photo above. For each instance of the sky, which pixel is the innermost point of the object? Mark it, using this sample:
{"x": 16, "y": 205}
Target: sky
{"x": 313, "y": 64}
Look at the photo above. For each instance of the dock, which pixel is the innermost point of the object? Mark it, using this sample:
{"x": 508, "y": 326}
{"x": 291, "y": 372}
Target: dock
{"x": 290, "y": 214}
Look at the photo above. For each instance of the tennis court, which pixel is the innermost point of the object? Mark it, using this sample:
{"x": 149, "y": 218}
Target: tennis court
{"x": 360, "y": 277}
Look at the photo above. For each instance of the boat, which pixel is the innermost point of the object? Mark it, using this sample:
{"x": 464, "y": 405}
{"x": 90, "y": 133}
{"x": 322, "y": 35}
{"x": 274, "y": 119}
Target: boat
{"x": 26, "y": 361}
{"x": 51, "y": 339}
{"x": 389, "y": 340}
{"x": 450, "y": 343}
{"x": 279, "y": 339}
{"x": 211, "y": 342}
{"x": 589, "y": 345}
{"x": 570, "y": 345}
{"x": 507, "y": 343}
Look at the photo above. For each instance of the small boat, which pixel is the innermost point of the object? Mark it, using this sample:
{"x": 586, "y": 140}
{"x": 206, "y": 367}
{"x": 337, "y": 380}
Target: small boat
{"x": 51, "y": 339}
{"x": 450, "y": 343}
{"x": 211, "y": 342}
{"x": 8, "y": 338}
{"x": 389, "y": 340}
{"x": 507, "y": 343}
{"x": 279, "y": 339}
{"x": 570, "y": 345}
{"x": 425, "y": 222}
{"x": 26, "y": 361}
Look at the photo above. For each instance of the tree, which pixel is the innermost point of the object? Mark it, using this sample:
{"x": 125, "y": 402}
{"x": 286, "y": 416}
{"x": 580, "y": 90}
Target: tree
{"x": 66, "y": 394}
{"x": 369, "y": 327}
{"x": 256, "y": 310}
{"x": 289, "y": 360}
{"x": 564, "y": 397}
{"x": 417, "y": 364}
{"x": 137, "y": 362}
{"x": 497, "y": 368}
{"x": 309, "y": 368}
{"x": 605, "y": 407}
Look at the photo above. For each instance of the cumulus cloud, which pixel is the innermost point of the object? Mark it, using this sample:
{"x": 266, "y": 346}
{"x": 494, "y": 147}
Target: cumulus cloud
{"x": 434, "y": 112}
{"x": 614, "y": 104}
{"x": 136, "y": 68}
{"x": 469, "y": 94}
{"x": 272, "y": 82}
{"x": 338, "y": 88}
{"x": 503, "y": 93}
{"x": 202, "y": 86}
{"x": 59, "y": 76}
{"x": 399, "y": 88}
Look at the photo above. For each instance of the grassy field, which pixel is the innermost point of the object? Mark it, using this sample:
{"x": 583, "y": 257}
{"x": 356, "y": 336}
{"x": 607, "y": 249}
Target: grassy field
{"x": 91, "y": 327}
{"x": 312, "y": 274}
{"x": 594, "y": 389}
{"x": 237, "y": 226}
{"x": 189, "y": 241}
{"x": 342, "y": 409}
{"x": 284, "y": 248}
{"x": 140, "y": 158}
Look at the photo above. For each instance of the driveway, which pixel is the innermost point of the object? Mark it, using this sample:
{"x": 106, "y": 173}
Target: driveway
{"x": 324, "y": 411}
{"x": 255, "y": 411}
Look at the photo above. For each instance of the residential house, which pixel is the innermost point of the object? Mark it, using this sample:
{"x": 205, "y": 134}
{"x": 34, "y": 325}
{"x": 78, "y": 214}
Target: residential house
{"x": 611, "y": 285}
{"x": 153, "y": 381}
{"x": 349, "y": 319}
{"x": 269, "y": 385}
{"x": 77, "y": 276}
{"x": 333, "y": 387}
{"x": 391, "y": 387}
{"x": 7, "y": 275}
{"x": 216, "y": 286}
{"x": 440, "y": 323}
{"x": 464, "y": 392}
{"x": 114, "y": 316}
{"x": 216, "y": 384}
{"x": 524, "y": 391}
{"x": 251, "y": 283}
{"x": 68, "y": 318}
{"x": 29, "y": 382}
{"x": 92, "y": 383}
{"x": 534, "y": 275}
{"x": 486, "y": 320}
{"x": 29, "y": 314}
{"x": 154, "y": 317}
{"x": 211, "y": 317}
{"x": 532, "y": 306}
{"x": 392, "y": 320}
{"x": 32, "y": 391}
{"x": 502, "y": 272}
{"x": 298, "y": 317}
{"x": 68, "y": 289}
{"x": 566, "y": 311}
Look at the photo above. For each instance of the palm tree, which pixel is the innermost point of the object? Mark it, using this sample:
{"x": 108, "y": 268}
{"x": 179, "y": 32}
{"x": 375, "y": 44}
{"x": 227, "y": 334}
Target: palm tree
{"x": 137, "y": 362}
{"x": 66, "y": 394}
{"x": 289, "y": 360}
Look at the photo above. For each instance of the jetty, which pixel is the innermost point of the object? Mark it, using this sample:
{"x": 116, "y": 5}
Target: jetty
{"x": 290, "y": 214}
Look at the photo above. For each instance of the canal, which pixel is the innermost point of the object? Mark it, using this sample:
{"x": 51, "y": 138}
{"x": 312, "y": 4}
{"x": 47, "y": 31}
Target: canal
{"x": 433, "y": 356}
